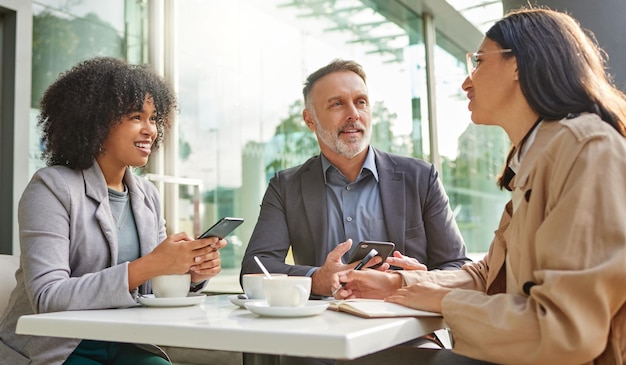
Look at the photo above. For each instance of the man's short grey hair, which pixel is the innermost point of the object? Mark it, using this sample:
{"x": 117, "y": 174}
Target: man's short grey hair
{"x": 334, "y": 66}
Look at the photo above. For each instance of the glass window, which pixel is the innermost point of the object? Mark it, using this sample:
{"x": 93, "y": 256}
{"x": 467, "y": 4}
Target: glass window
{"x": 241, "y": 65}
{"x": 67, "y": 32}
{"x": 241, "y": 75}
{"x": 241, "y": 78}
{"x": 472, "y": 155}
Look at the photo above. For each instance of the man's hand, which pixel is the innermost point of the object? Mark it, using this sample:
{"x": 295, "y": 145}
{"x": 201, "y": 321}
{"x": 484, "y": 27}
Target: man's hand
{"x": 322, "y": 278}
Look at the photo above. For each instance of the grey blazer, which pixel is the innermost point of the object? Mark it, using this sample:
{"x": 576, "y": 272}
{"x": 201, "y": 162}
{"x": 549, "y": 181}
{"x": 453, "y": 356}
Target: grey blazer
{"x": 69, "y": 249}
{"x": 416, "y": 210}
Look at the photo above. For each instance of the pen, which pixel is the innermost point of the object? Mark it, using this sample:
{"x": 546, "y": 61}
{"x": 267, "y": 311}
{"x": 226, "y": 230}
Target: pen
{"x": 359, "y": 266}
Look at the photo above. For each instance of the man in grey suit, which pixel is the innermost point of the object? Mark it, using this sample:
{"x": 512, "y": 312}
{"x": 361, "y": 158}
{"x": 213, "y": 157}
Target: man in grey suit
{"x": 351, "y": 192}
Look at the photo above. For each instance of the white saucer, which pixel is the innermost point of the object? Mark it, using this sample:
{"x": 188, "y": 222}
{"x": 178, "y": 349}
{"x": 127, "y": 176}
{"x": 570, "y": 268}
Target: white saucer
{"x": 150, "y": 301}
{"x": 240, "y": 302}
{"x": 311, "y": 308}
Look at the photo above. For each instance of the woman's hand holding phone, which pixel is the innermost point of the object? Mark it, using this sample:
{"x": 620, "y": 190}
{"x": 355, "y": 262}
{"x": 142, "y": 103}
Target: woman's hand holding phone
{"x": 208, "y": 264}
{"x": 405, "y": 262}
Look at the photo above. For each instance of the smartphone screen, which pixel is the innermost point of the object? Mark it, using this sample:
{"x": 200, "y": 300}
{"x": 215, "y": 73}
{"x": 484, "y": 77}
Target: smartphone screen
{"x": 222, "y": 228}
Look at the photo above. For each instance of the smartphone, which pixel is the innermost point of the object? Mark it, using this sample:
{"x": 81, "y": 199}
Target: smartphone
{"x": 384, "y": 250}
{"x": 222, "y": 228}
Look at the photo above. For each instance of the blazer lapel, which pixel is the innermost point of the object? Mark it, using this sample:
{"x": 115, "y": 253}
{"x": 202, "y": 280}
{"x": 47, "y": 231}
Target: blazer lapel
{"x": 144, "y": 217}
{"x": 496, "y": 278}
{"x": 315, "y": 206}
{"x": 95, "y": 188}
{"x": 392, "y": 192}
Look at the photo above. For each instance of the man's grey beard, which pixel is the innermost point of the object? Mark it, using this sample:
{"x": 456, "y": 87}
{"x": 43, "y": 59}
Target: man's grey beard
{"x": 332, "y": 140}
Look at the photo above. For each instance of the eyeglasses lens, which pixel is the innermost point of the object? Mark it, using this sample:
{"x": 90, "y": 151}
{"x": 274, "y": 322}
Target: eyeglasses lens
{"x": 471, "y": 61}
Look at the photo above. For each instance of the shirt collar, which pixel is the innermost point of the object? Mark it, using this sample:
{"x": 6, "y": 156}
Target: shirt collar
{"x": 369, "y": 163}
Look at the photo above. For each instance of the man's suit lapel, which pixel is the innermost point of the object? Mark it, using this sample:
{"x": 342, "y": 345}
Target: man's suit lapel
{"x": 392, "y": 195}
{"x": 315, "y": 206}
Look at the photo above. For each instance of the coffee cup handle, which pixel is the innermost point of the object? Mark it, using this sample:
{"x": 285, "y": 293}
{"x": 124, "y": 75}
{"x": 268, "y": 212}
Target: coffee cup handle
{"x": 304, "y": 295}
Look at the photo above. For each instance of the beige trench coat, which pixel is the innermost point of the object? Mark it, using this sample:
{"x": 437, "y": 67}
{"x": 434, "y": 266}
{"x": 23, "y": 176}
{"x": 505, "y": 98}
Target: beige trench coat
{"x": 566, "y": 249}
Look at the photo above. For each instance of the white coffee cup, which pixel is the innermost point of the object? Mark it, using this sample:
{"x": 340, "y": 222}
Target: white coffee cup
{"x": 253, "y": 285}
{"x": 287, "y": 291}
{"x": 171, "y": 286}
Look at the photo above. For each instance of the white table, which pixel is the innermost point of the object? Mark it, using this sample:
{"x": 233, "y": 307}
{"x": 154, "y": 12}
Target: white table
{"x": 219, "y": 325}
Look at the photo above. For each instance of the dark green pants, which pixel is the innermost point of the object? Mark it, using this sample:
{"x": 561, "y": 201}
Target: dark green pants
{"x": 112, "y": 353}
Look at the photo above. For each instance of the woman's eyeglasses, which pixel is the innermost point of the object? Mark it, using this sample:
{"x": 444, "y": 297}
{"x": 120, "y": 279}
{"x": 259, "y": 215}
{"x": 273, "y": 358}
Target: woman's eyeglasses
{"x": 473, "y": 59}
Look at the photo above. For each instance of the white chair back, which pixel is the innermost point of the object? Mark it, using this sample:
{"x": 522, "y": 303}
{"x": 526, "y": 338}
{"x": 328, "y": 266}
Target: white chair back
{"x": 8, "y": 266}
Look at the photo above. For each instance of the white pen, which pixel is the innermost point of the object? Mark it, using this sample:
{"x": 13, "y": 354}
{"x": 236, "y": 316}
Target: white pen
{"x": 359, "y": 266}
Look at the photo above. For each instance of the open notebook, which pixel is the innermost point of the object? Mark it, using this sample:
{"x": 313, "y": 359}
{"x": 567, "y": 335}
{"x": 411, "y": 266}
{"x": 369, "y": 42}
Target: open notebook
{"x": 377, "y": 308}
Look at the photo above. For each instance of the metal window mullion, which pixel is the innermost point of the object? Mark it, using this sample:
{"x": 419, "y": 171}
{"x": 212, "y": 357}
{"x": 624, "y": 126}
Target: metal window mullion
{"x": 171, "y": 142}
{"x": 431, "y": 95}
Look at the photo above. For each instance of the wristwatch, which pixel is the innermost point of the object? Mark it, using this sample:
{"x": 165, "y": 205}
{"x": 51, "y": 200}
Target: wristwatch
{"x": 195, "y": 287}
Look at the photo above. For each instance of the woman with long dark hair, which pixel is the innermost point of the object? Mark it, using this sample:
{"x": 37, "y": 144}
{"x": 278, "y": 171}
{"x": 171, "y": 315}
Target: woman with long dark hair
{"x": 551, "y": 288}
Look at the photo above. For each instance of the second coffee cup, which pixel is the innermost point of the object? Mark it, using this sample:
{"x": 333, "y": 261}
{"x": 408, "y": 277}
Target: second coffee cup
{"x": 287, "y": 291}
{"x": 252, "y": 285}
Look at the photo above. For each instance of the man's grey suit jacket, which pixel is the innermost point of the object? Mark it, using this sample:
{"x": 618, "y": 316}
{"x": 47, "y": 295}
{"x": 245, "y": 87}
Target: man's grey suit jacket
{"x": 416, "y": 210}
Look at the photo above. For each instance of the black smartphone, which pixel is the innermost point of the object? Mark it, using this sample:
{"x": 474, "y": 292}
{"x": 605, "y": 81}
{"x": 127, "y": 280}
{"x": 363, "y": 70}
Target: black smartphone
{"x": 384, "y": 250}
{"x": 222, "y": 228}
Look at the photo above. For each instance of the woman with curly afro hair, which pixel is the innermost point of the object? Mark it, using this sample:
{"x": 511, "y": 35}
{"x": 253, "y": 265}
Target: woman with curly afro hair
{"x": 91, "y": 232}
